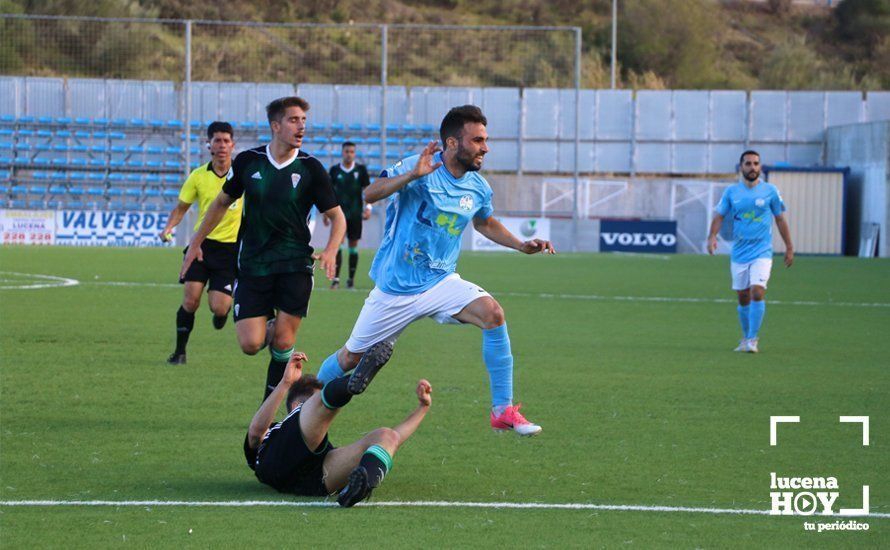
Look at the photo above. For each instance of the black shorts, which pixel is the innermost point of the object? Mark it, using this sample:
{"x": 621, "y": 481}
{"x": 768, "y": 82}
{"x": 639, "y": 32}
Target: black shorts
{"x": 219, "y": 266}
{"x": 287, "y": 464}
{"x": 258, "y": 296}
{"x": 354, "y": 228}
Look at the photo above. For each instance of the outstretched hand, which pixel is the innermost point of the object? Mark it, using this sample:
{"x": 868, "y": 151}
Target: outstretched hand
{"x": 424, "y": 393}
{"x": 425, "y": 163}
{"x": 537, "y": 245}
{"x": 294, "y": 369}
{"x": 328, "y": 262}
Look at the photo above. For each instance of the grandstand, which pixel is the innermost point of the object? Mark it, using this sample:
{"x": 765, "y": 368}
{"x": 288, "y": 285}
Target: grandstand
{"x": 138, "y": 164}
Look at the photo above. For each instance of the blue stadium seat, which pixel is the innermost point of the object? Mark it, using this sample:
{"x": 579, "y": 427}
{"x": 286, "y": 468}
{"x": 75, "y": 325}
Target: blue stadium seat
{"x": 77, "y": 161}
{"x": 171, "y": 150}
{"x": 53, "y": 204}
{"x": 75, "y": 205}
{"x": 116, "y": 163}
{"x": 153, "y": 164}
{"x": 18, "y": 204}
{"x": 5, "y": 175}
{"x": 100, "y": 122}
{"x": 26, "y": 120}
{"x": 59, "y": 161}
{"x": 117, "y": 135}
{"x": 63, "y": 120}
{"x": 373, "y": 127}
{"x": 118, "y": 149}
{"x": 43, "y": 147}
{"x": 154, "y": 150}
{"x": 409, "y": 128}
{"x": 356, "y": 140}
{"x": 393, "y": 128}
{"x": 26, "y": 133}
{"x": 45, "y": 120}
{"x": 19, "y": 190}
{"x": 95, "y": 191}
{"x": 133, "y": 192}
{"x": 60, "y": 147}
{"x": 96, "y": 163}
{"x": 114, "y": 192}
{"x": 64, "y": 134}
{"x": 316, "y": 127}
{"x": 100, "y": 135}
{"x": 75, "y": 191}
{"x": 151, "y": 206}
{"x": 196, "y": 124}
{"x": 248, "y": 125}
{"x": 132, "y": 206}
{"x": 77, "y": 176}
{"x": 44, "y": 134}
{"x": 173, "y": 164}
{"x": 338, "y": 140}
{"x": 40, "y": 175}
{"x": 171, "y": 178}
{"x": 137, "y": 122}
{"x": 151, "y": 191}
{"x": 96, "y": 176}
{"x": 118, "y": 122}
{"x": 40, "y": 161}
{"x": 173, "y": 123}
{"x": 116, "y": 176}
{"x": 336, "y": 127}
{"x": 36, "y": 204}
{"x": 116, "y": 205}
{"x": 134, "y": 163}
{"x": 373, "y": 141}
{"x": 195, "y": 151}
{"x": 97, "y": 148}
{"x": 355, "y": 127}
{"x": 263, "y": 138}
{"x": 7, "y": 119}
{"x": 156, "y": 123}
{"x": 152, "y": 178}
{"x": 83, "y": 121}
{"x": 171, "y": 193}
{"x": 57, "y": 190}
{"x": 23, "y": 146}
{"x": 427, "y": 128}
{"x": 4, "y": 190}
{"x": 6, "y": 146}
{"x": 137, "y": 149}
{"x": 82, "y": 134}
{"x": 17, "y": 160}
{"x": 6, "y": 132}
{"x": 374, "y": 170}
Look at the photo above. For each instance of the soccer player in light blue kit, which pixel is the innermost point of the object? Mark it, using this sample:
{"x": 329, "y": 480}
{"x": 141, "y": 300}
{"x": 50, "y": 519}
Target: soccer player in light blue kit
{"x": 434, "y": 197}
{"x": 753, "y": 204}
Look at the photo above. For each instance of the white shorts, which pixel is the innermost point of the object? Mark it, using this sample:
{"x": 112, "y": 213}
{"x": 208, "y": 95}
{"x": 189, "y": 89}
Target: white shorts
{"x": 750, "y": 274}
{"x": 384, "y": 316}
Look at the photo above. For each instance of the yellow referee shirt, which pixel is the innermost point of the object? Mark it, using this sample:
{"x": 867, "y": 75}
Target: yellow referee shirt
{"x": 203, "y": 185}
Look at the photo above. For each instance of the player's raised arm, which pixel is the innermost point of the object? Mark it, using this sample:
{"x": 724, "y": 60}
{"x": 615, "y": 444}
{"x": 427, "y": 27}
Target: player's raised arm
{"x": 494, "y": 230}
{"x": 265, "y": 415}
{"x": 424, "y": 397}
{"x": 384, "y": 187}
{"x": 214, "y": 215}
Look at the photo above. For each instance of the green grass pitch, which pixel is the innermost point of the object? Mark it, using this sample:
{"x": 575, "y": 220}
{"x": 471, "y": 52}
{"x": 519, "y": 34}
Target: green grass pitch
{"x": 642, "y": 403}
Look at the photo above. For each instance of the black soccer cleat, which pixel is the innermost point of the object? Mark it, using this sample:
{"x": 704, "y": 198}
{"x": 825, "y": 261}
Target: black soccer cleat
{"x": 350, "y": 283}
{"x": 371, "y": 362}
{"x": 356, "y": 490}
{"x": 219, "y": 321}
{"x": 335, "y": 283}
{"x": 176, "y": 359}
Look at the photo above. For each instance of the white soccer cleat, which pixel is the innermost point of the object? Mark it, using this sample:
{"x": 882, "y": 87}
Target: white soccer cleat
{"x": 752, "y": 346}
{"x": 743, "y": 346}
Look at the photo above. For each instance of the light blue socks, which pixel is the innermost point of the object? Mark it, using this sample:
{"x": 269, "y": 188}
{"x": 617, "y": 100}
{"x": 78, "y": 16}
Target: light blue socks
{"x": 330, "y": 369}
{"x": 499, "y": 361}
{"x": 755, "y": 318}
{"x": 744, "y": 312}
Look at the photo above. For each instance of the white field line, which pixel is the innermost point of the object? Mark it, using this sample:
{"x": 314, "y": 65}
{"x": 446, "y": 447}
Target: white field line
{"x": 398, "y": 503}
{"x": 42, "y": 281}
{"x": 53, "y": 281}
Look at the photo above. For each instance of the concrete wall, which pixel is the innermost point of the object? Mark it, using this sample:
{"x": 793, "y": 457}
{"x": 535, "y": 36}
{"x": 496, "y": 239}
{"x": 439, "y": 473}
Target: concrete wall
{"x": 865, "y": 148}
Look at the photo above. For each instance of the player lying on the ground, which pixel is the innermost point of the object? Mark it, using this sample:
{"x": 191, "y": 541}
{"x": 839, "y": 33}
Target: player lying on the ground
{"x": 295, "y": 456}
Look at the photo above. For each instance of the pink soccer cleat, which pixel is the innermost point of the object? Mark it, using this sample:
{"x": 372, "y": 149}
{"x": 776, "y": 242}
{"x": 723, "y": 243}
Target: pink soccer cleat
{"x": 512, "y": 419}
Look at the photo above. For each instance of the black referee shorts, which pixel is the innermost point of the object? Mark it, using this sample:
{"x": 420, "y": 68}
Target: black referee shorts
{"x": 219, "y": 266}
{"x": 257, "y": 296}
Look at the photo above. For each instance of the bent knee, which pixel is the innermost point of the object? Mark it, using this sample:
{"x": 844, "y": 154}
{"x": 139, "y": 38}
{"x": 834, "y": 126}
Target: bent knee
{"x": 493, "y": 316}
{"x": 386, "y": 437}
{"x": 191, "y": 304}
{"x": 250, "y": 347}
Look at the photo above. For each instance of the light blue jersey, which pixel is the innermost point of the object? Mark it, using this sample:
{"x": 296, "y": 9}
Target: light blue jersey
{"x": 752, "y": 212}
{"x": 424, "y": 224}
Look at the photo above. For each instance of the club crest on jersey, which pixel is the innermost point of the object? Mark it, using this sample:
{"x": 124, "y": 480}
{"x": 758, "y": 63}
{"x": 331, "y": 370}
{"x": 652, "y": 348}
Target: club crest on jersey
{"x": 759, "y": 202}
{"x": 295, "y": 179}
{"x": 466, "y": 202}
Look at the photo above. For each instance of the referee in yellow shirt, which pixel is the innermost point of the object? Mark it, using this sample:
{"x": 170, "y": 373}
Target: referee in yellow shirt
{"x": 220, "y": 248}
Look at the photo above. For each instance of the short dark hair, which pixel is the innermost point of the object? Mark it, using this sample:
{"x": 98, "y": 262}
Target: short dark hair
{"x": 303, "y": 389}
{"x": 275, "y": 110}
{"x": 347, "y": 144}
{"x": 219, "y": 126}
{"x": 453, "y": 123}
{"x": 746, "y": 153}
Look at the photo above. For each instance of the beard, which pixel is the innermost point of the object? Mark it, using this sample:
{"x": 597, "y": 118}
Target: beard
{"x": 466, "y": 160}
{"x": 752, "y": 175}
